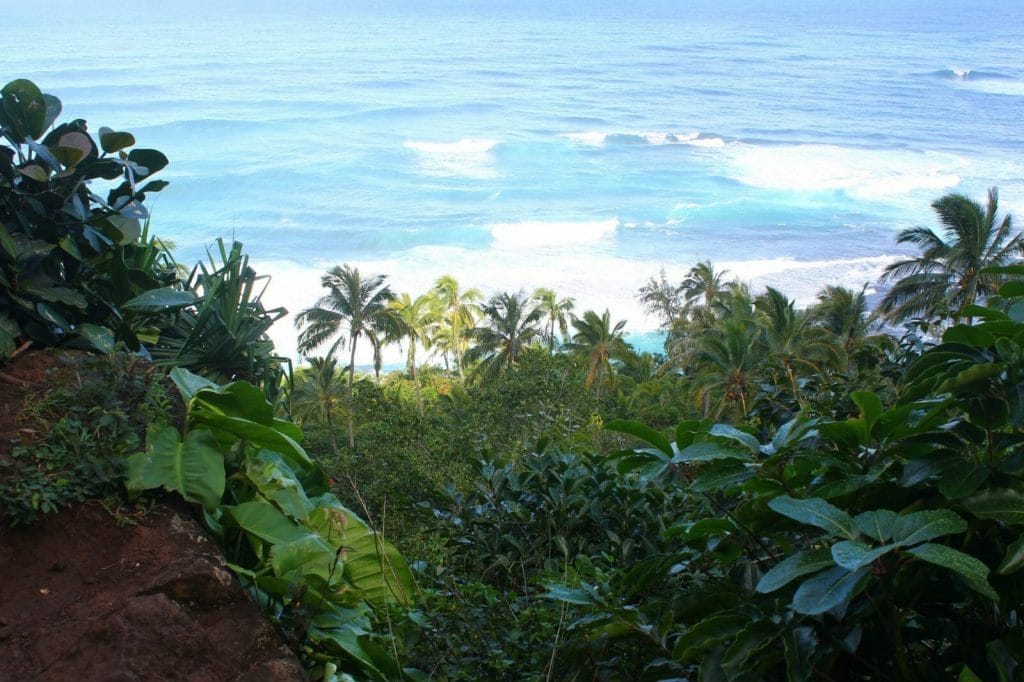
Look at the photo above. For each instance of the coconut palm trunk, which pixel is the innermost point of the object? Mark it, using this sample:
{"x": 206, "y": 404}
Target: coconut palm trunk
{"x": 351, "y": 394}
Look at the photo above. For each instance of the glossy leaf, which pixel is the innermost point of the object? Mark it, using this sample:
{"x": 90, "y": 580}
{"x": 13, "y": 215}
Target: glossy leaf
{"x": 112, "y": 141}
{"x": 816, "y": 512}
{"x": 793, "y": 567}
{"x": 643, "y": 432}
{"x": 799, "y": 644}
{"x": 160, "y": 300}
{"x": 371, "y": 564}
{"x": 706, "y": 634}
{"x": 193, "y": 468}
{"x": 829, "y": 589}
{"x": 876, "y": 524}
{"x": 854, "y": 555}
{"x": 1004, "y": 505}
{"x": 973, "y": 571}
{"x": 1014, "y": 559}
{"x": 926, "y": 525}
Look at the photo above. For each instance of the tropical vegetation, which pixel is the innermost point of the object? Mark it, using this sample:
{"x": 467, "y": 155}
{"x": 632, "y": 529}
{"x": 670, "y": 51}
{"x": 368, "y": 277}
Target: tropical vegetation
{"x": 781, "y": 493}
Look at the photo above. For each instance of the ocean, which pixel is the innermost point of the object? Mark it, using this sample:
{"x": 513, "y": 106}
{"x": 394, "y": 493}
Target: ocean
{"x": 580, "y": 145}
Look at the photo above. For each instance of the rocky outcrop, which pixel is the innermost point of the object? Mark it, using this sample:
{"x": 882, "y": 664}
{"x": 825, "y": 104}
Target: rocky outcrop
{"x": 84, "y": 598}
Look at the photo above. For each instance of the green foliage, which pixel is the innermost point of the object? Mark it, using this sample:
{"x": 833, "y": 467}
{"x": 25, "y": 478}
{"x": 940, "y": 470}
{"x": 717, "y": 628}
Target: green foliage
{"x": 70, "y": 259}
{"x": 312, "y": 564}
{"x": 881, "y": 546}
{"x": 222, "y": 332}
{"x": 87, "y": 425}
{"x": 552, "y": 514}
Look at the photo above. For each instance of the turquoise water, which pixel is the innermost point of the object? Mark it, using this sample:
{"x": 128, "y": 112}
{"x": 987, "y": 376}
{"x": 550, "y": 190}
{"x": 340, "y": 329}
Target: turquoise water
{"x": 579, "y": 145}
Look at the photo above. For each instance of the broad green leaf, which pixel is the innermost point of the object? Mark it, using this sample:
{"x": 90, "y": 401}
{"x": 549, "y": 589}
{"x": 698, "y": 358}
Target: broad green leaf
{"x": 971, "y": 376}
{"x": 720, "y": 475}
{"x": 853, "y": 555}
{"x": 193, "y": 468}
{"x": 160, "y": 300}
{"x": 100, "y": 338}
{"x": 1014, "y": 559}
{"x": 748, "y": 641}
{"x": 1007, "y": 656}
{"x": 962, "y": 478}
{"x": 705, "y": 452}
{"x": 829, "y": 589}
{"x": 571, "y": 595}
{"x": 35, "y": 172}
{"x": 846, "y": 433}
{"x": 1003, "y": 504}
{"x": 816, "y": 512}
{"x": 641, "y": 431}
{"x": 72, "y": 148}
{"x": 926, "y": 525}
{"x": 791, "y": 568}
{"x": 968, "y": 335}
{"x": 967, "y": 675}
{"x": 701, "y": 529}
{"x": 237, "y": 399}
{"x": 870, "y": 411}
{"x": 53, "y": 109}
{"x": 150, "y": 159}
{"x": 112, "y": 141}
{"x": 799, "y": 644}
{"x": 706, "y": 634}
{"x": 24, "y": 108}
{"x": 876, "y": 524}
{"x": 51, "y": 315}
{"x": 372, "y": 564}
{"x": 260, "y": 435}
{"x": 278, "y": 483}
{"x": 63, "y": 295}
{"x": 734, "y": 434}
{"x": 188, "y": 383}
{"x": 984, "y": 313}
{"x": 973, "y": 571}
{"x": 688, "y": 429}
{"x": 305, "y": 556}
{"x": 265, "y": 521}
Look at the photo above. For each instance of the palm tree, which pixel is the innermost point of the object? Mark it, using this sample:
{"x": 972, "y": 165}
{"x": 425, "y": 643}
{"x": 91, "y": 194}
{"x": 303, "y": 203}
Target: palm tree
{"x": 947, "y": 276}
{"x": 789, "y": 339}
{"x": 702, "y": 288}
{"x": 556, "y": 311}
{"x": 598, "y": 342}
{"x": 353, "y": 307}
{"x": 319, "y": 392}
{"x": 418, "y": 318}
{"x": 461, "y": 311}
{"x": 510, "y": 325}
{"x": 843, "y": 314}
{"x": 729, "y": 362}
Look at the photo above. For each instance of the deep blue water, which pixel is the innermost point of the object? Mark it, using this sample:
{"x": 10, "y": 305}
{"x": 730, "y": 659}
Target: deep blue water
{"x": 579, "y": 145}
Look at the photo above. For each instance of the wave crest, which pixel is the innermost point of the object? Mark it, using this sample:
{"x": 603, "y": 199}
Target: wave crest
{"x": 533, "y": 233}
{"x": 602, "y": 139}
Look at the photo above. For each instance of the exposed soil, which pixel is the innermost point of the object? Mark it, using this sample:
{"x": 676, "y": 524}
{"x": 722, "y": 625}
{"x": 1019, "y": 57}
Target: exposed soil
{"x": 84, "y": 598}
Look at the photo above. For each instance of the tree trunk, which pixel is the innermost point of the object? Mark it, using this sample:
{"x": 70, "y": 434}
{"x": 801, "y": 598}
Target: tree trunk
{"x": 415, "y": 379}
{"x": 351, "y": 396}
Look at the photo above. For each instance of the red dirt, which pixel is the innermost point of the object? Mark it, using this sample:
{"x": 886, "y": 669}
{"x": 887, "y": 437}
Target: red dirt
{"x": 83, "y": 598}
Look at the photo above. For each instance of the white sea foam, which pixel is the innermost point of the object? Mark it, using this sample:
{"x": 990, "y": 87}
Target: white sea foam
{"x": 595, "y": 138}
{"x": 595, "y": 280}
{"x": 802, "y": 280}
{"x": 465, "y": 146}
{"x": 468, "y": 157}
{"x": 533, "y": 233}
{"x": 862, "y": 173}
